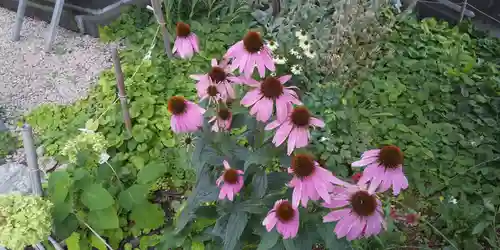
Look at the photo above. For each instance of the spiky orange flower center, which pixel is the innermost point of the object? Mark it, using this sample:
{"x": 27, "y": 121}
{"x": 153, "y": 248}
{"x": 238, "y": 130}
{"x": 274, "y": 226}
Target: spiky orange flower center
{"x": 271, "y": 87}
{"x": 303, "y": 165}
{"x": 217, "y": 74}
{"x": 212, "y": 91}
{"x": 177, "y": 105}
{"x": 363, "y": 204}
{"x": 390, "y": 157}
{"x": 230, "y": 176}
{"x": 300, "y": 116}
{"x": 182, "y": 29}
{"x": 285, "y": 211}
{"x": 224, "y": 114}
{"x": 253, "y": 42}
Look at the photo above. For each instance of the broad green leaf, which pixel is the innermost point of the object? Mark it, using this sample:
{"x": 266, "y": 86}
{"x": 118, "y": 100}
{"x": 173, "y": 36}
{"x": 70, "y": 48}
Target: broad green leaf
{"x": 290, "y": 244}
{"x": 132, "y": 196}
{"x": 97, "y": 243}
{"x": 73, "y": 242}
{"x": 96, "y": 197}
{"x": 325, "y": 231}
{"x": 197, "y": 246}
{"x": 259, "y": 184}
{"x": 137, "y": 161}
{"x": 147, "y": 216}
{"x": 235, "y": 226}
{"x": 92, "y": 125}
{"x": 59, "y": 186}
{"x": 268, "y": 240}
{"x": 103, "y": 219}
{"x": 151, "y": 173}
{"x": 479, "y": 228}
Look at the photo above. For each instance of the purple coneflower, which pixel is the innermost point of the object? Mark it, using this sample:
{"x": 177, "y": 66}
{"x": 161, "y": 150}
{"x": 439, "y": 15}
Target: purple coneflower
{"x": 186, "y": 42}
{"x": 310, "y": 181}
{"x": 222, "y": 120}
{"x": 285, "y": 217}
{"x": 295, "y": 128}
{"x": 220, "y": 76}
{"x": 268, "y": 92}
{"x": 186, "y": 116}
{"x": 251, "y": 52}
{"x": 231, "y": 181}
{"x": 358, "y": 212}
{"x": 384, "y": 169}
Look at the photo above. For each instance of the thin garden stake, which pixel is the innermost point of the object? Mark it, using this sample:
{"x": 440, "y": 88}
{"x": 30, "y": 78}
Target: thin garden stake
{"x": 462, "y": 11}
{"x": 161, "y": 21}
{"x": 21, "y": 8}
{"x": 31, "y": 158}
{"x": 54, "y": 23}
{"x": 120, "y": 84}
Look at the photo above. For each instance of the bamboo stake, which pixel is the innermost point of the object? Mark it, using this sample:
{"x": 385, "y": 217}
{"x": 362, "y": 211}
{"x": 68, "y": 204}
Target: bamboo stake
{"x": 31, "y": 159}
{"x": 54, "y": 23}
{"x": 161, "y": 21}
{"x": 120, "y": 84}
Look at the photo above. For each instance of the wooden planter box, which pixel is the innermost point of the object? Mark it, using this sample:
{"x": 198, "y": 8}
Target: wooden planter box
{"x": 83, "y": 16}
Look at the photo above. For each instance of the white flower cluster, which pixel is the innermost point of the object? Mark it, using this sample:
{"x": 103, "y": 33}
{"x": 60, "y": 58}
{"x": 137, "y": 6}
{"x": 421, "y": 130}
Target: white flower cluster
{"x": 24, "y": 220}
{"x": 95, "y": 142}
{"x": 305, "y": 44}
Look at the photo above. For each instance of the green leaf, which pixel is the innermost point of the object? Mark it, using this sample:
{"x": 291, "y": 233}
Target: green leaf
{"x": 147, "y": 216}
{"x": 479, "y": 228}
{"x": 97, "y": 243}
{"x": 197, "y": 246}
{"x": 259, "y": 184}
{"x": 151, "y": 173}
{"x": 73, "y": 242}
{"x": 132, "y": 196}
{"x": 325, "y": 231}
{"x": 96, "y": 197}
{"x": 235, "y": 226}
{"x": 268, "y": 240}
{"x": 59, "y": 186}
{"x": 103, "y": 219}
{"x": 92, "y": 125}
{"x": 137, "y": 161}
{"x": 290, "y": 244}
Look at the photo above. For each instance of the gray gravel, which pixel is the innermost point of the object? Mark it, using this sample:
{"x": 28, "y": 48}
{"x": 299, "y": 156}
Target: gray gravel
{"x": 29, "y": 76}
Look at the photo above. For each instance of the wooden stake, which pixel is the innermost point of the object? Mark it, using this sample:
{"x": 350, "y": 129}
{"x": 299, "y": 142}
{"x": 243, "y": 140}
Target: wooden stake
{"x": 161, "y": 20}
{"x": 54, "y": 23}
{"x": 21, "y": 8}
{"x": 120, "y": 84}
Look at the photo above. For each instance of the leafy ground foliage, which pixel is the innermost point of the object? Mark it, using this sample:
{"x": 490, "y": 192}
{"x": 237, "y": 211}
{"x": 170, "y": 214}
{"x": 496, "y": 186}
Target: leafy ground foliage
{"x": 434, "y": 91}
{"x": 430, "y": 89}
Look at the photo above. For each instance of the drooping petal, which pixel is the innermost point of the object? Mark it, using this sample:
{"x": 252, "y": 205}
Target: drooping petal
{"x": 270, "y": 221}
{"x": 251, "y": 98}
{"x": 317, "y": 122}
{"x": 297, "y": 193}
{"x": 364, "y": 161}
{"x": 282, "y": 133}
{"x": 285, "y": 78}
{"x": 336, "y": 215}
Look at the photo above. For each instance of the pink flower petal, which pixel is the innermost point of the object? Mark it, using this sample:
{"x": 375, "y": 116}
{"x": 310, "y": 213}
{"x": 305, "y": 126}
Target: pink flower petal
{"x": 336, "y": 215}
{"x": 317, "y": 122}
{"x": 344, "y": 225}
{"x": 265, "y": 109}
{"x": 370, "y": 153}
{"x": 251, "y": 98}
{"x": 297, "y": 193}
{"x": 292, "y": 138}
{"x": 282, "y": 133}
{"x": 214, "y": 63}
{"x": 272, "y": 125}
{"x": 364, "y": 161}
{"x": 356, "y": 229}
{"x": 270, "y": 221}
{"x": 285, "y": 78}
{"x": 226, "y": 165}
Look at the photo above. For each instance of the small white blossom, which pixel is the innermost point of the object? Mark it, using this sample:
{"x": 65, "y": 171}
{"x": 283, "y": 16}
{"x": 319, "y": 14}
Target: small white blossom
{"x": 310, "y": 54}
{"x": 103, "y": 158}
{"x": 301, "y": 35}
{"x": 272, "y": 45}
{"x": 295, "y": 53}
{"x": 323, "y": 139}
{"x": 453, "y": 200}
{"x": 305, "y": 45}
{"x": 279, "y": 60}
{"x": 296, "y": 69}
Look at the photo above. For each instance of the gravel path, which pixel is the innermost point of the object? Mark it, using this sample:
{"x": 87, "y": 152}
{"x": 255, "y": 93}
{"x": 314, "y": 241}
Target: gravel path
{"x": 29, "y": 76}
